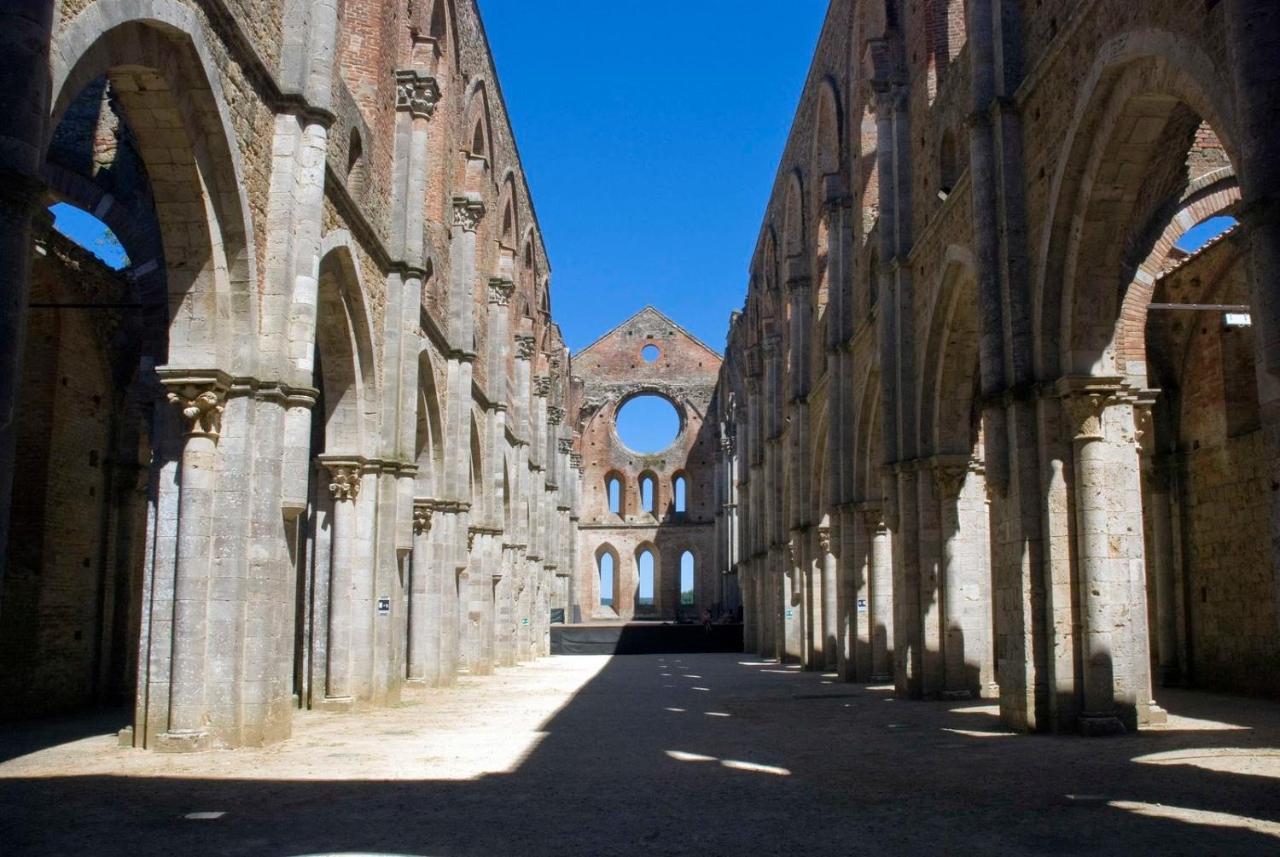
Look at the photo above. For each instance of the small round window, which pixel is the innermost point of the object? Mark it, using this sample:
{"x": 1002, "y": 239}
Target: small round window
{"x": 650, "y": 353}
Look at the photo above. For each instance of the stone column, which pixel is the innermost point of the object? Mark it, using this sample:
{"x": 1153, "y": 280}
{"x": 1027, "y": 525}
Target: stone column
{"x": 950, "y": 477}
{"x": 1115, "y": 687}
{"x": 201, "y": 402}
{"x": 1160, "y": 475}
{"x": 425, "y": 590}
{"x": 344, "y": 488}
{"x": 855, "y": 597}
{"x": 880, "y": 580}
{"x": 830, "y": 594}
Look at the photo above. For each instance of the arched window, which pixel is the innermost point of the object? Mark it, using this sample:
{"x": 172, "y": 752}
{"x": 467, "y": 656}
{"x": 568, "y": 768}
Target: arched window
{"x": 1198, "y": 236}
{"x": 613, "y": 487}
{"x": 477, "y": 141}
{"x": 680, "y": 488}
{"x": 91, "y": 234}
{"x": 688, "y": 596}
{"x": 357, "y": 170}
{"x": 645, "y": 587}
{"x": 948, "y": 164}
{"x": 607, "y": 577}
{"x": 649, "y": 493}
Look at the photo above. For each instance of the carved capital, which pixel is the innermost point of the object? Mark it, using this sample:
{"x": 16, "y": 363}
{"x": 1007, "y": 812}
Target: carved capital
{"x": 416, "y": 92}
{"x": 542, "y": 385}
{"x": 1084, "y": 400}
{"x": 421, "y": 518}
{"x": 824, "y": 539}
{"x": 575, "y": 460}
{"x": 467, "y": 213}
{"x": 344, "y": 481}
{"x": 950, "y": 479}
{"x": 566, "y": 445}
{"x": 1084, "y": 413}
{"x": 500, "y": 291}
{"x": 202, "y": 405}
{"x": 873, "y": 517}
{"x": 526, "y": 346}
{"x": 555, "y": 415}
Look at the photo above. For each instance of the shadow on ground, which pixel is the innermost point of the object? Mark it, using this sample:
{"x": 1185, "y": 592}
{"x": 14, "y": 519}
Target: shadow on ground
{"x": 724, "y": 755}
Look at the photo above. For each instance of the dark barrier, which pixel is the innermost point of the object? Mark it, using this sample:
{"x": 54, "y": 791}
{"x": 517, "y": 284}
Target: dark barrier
{"x": 644, "y": 639}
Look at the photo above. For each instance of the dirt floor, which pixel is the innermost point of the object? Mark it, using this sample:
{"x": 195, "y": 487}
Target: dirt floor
{"x": 658, "y": 755}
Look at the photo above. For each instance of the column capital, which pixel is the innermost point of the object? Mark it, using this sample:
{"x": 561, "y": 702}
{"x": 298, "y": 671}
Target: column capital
{"x": 949, "y": 473}
{"x": 500, "y": 291}
{"x": 542, "y": 385}
{"x": 565, "y": 445}
{"x": 417, "y": 92}
{"x": 468, "y": 211}
{"x": 555, "y": 415}
{"x": 201, "y": 396}
{"x": 526, "y": 346}
{"x": 872, "y": 512}
{"x": 575, "y": 460}
{"x": 344, "y": 477}
{"x": 1083, "y": 401}
{"x": 422, "y": 512}
{"x": 824, "y": 539}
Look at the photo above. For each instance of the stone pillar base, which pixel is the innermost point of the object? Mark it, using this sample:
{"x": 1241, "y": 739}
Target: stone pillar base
{"x": 124, "y": 738}
{"x": 1099, "y": 725}
{"x": 337, "y": 703}
{"x": 193, "y": 741}
{"x": 991, "y": 691}
{"x": 1152, "y": 715}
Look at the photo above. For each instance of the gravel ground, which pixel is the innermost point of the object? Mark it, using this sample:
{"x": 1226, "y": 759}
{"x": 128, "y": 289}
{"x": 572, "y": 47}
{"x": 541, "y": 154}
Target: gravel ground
{"x": 658, "y": 755}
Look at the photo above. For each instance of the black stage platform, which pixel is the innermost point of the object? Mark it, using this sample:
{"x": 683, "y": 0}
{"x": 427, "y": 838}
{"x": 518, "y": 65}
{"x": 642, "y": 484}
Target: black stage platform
{"x": 644, "y": 638}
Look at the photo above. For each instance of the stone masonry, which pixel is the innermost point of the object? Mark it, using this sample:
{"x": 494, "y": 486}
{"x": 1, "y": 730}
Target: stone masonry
{"x": 303, "y": 449}
{"x": 994, "y": 433}
{"x": 608, "y": 374}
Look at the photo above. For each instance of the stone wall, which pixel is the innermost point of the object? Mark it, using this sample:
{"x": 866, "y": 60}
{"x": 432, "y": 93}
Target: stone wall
{"x": 950, "y": 298}
{"x": 607, "y": 374}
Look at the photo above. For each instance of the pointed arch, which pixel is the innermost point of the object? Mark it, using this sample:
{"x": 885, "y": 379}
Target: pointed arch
{"x": 1077, "y": 298}
{"x": 209, "y": 249}
{"x": 344, "y": 357}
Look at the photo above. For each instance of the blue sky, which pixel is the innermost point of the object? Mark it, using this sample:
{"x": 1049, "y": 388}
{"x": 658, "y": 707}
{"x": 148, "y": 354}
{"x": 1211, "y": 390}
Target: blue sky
{"x": 650, "y": 134}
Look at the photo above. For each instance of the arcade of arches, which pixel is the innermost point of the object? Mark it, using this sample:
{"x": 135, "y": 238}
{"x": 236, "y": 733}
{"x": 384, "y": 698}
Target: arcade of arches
{"x": 988, "y": 425}
{"x": 1003, "y": 422}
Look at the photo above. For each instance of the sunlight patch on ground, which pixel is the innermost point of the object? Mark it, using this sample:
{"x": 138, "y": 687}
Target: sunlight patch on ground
{"x": 1223, "y": 760}
{"x": 993, "y": 710}
{"x": 973, "y": 733}
{"x": 434, "y": 734}
{"x": 1198, "y": 816}
{"x": 717, "y": 714}
{"x": 676, "y": 710}
{"x": 732, "y": 764}
{"x": 755, "y": 768}
{"x": 681, "y": 756}
{"x": 1180, "y": 723}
